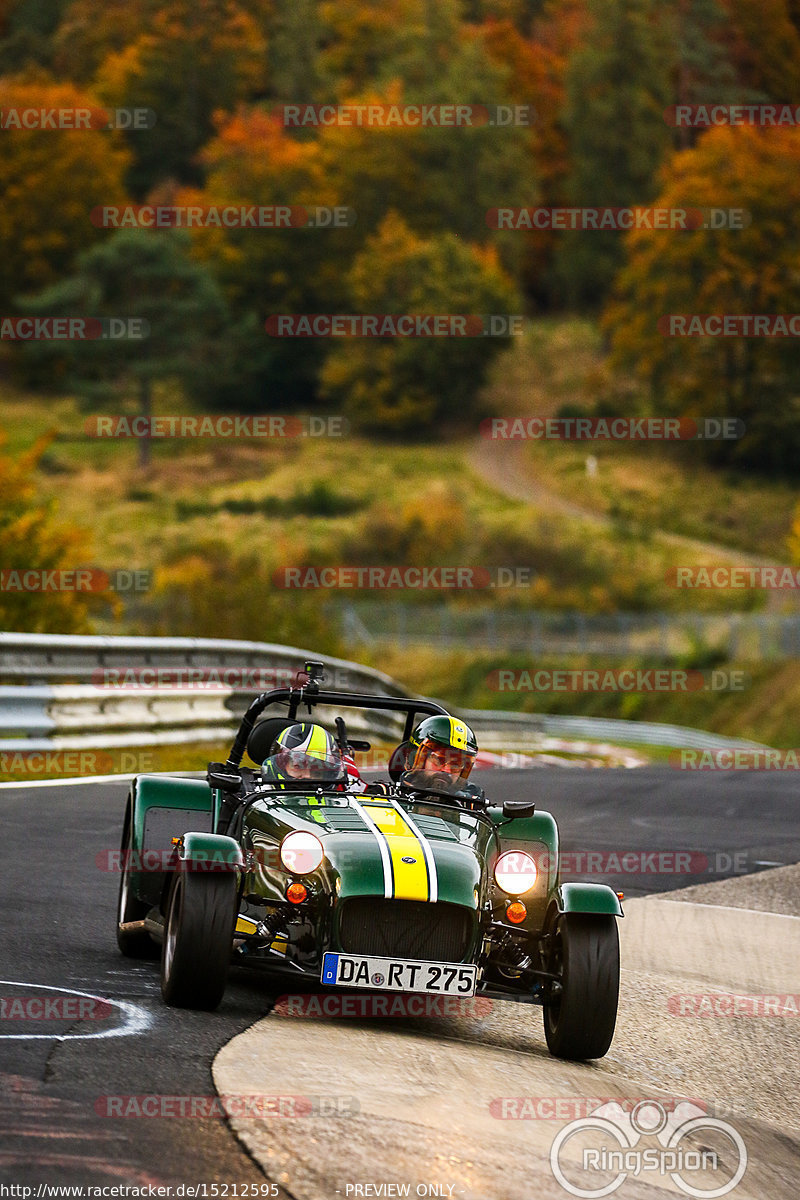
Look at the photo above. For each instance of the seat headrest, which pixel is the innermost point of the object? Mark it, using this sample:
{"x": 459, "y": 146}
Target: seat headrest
{"x": 263, "y": 735}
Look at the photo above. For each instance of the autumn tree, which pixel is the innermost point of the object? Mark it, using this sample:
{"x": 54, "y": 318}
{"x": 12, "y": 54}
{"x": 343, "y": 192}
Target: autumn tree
{"x": 763, "y": 39}
{"x": 264, "y": 271}
{"x": 420, "y": 385}
{"x": 702, "y": 70}
{"x": 49, "y": 181}
{"x": 736, "y": 271}
{"x": 195, "y": 58}
{"x": 295, "y": 69}
{"x": 617, "y": 88}
{"x": 33, "y": 538}
{"x": 26, "y": 30}
{"x": 440, "y": 178}
{"x": 149, "y": 278}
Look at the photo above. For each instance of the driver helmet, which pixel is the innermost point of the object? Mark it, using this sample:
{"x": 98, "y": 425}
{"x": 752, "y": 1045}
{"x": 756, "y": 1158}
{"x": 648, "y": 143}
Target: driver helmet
{"x": 443, "y": 747}
{"x": 304, "y": 751}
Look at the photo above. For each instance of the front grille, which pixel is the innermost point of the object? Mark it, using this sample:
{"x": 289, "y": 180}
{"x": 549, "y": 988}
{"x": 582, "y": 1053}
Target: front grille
{"x": 404, "y": 929}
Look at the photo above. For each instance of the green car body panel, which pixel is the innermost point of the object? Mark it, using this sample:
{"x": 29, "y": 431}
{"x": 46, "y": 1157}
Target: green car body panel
{"x": 211, "y": 851}
{"x": 588, "y": 898}
{"x": 163, "y": 808}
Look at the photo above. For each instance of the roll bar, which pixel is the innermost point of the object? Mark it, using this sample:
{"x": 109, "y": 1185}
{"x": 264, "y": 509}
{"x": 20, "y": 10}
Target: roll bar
{"x": 310, "y": 694}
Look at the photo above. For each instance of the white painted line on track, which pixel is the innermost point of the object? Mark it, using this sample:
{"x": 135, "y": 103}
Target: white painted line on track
{"x": 137, "y": 1019}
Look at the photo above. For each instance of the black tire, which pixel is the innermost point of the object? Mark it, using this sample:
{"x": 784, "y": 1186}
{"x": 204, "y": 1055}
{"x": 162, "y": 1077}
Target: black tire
{"x": 133, "y": 944}
{"x": 198, "y": 939}
{"x": 579, "y": 1021}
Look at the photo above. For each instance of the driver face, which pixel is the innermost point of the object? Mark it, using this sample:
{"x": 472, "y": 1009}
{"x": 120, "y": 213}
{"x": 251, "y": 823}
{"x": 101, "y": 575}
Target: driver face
{"x": 443, "y": 759}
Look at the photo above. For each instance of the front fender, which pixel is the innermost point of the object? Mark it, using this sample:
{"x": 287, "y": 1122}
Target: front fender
{"x": 587, "y": 898}
{"x": 209, "y": 852}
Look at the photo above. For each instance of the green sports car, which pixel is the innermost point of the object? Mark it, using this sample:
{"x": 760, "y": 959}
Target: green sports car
{"x": 417, "y": 884}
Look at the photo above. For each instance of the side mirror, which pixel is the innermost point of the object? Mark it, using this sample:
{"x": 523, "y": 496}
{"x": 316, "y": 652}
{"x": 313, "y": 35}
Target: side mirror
{"x": 226, "y": 781}
{"x": 518, "y": 808}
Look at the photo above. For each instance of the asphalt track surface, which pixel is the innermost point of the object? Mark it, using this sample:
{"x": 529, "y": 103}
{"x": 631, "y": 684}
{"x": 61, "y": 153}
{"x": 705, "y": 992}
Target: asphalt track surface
{"x": 57, "y": 914}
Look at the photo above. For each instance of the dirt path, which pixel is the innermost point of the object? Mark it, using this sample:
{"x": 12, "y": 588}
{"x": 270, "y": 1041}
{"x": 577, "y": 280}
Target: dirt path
{"x": 502, "y": 465}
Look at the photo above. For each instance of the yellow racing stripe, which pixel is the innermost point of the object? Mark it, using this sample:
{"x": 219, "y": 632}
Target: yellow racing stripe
{"x": 458, "y": 734}
{"x": 409, "y": 879}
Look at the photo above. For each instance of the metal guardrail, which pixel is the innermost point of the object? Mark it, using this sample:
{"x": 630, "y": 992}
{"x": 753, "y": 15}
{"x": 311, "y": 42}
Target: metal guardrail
{"x": 497, "y": 729}
{"x": 94, "y": 711}
{"x": 102, "y": 706}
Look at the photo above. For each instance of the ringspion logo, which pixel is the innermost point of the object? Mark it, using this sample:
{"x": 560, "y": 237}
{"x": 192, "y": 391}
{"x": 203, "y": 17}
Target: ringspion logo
{"x": 691, "y": 1148}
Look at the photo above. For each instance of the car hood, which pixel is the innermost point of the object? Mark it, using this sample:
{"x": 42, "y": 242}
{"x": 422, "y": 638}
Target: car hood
{"x": 376, "y": 846}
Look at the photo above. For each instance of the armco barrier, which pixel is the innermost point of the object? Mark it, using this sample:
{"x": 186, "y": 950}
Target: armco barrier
{"x": 497, "y": 729}
{"x": 57, "y": 707}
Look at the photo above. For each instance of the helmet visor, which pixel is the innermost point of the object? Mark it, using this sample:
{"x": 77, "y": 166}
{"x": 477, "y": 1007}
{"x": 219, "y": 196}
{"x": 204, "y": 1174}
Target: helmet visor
{"x": 295, "y": 763}
{"x": 432, "y": 756}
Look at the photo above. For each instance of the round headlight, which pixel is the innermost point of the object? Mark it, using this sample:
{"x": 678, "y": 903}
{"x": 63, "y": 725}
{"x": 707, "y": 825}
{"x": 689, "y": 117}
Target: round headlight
{"x": 301, "y": 852}
{"x": 515, "y": 872}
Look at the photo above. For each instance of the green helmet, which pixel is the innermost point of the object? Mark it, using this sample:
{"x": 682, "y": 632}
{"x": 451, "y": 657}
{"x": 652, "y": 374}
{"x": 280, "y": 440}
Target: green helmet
{"x": 304, "y": 751}
{"x": 444, "y": 745}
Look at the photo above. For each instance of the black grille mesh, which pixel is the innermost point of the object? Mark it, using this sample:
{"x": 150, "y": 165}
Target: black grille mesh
{"x": 404, "y": 929}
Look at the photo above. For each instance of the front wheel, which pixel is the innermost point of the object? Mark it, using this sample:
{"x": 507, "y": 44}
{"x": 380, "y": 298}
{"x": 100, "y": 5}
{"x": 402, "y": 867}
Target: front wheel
{"x": 198, "y": 939}
{"x": 579, "y": 1019}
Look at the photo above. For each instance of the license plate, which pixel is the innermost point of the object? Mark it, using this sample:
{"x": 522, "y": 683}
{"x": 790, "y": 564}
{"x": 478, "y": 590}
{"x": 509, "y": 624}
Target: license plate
{"x": 398, "y": 975}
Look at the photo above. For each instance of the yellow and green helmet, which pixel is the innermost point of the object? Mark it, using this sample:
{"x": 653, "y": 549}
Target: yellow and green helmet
{"x": 443, "y": 744}
{"x": 304, "y": 751}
